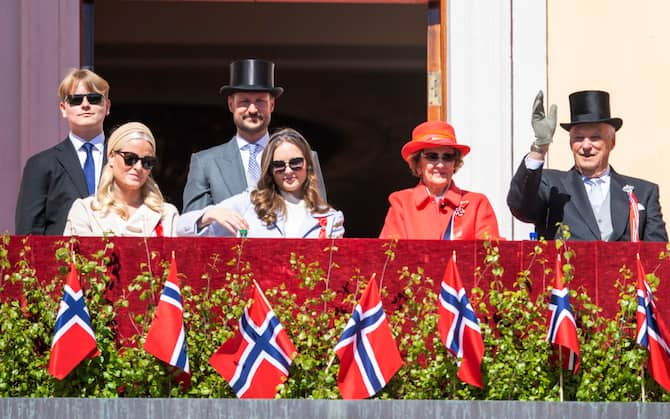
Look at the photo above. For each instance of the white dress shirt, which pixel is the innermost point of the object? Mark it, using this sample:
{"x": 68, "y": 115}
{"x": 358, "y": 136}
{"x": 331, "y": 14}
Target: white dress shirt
{"x": 97, "y": 151}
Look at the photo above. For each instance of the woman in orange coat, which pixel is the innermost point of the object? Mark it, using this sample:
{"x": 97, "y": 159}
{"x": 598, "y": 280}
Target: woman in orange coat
{"x": 436, "y": 208}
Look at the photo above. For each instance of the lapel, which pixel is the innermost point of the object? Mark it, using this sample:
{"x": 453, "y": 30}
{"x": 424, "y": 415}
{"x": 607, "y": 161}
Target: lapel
{"x": 104, "y": 157}
{"x": 68, "y": 159}
{"x": 148, "y": 219}
{"x": 309, "y": 223}
{"x": 574, "y": 186}
{"x": 619, "y": 205}
{"x": 229, "y": 164}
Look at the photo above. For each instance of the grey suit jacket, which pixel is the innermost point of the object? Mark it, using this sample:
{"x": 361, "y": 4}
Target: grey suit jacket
{"x": 218, "y": 173}
{"x": 51, "y": 181}
{"x": 547, "y": 197}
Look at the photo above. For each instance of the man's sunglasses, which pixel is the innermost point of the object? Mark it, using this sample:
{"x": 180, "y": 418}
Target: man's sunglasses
{"x": 296, "y": 164}
{"x": 433, "y": 157}
{"x": 131, "y": 159}
{"x": 77, "y": 99}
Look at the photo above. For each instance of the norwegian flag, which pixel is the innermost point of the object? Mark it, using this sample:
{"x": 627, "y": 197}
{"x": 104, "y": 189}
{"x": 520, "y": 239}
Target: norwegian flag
{"x": 166, "y": 339}
{"x": 562, "y": 329}
{"x": 367, "y": 351}
{"x": 459, "y": 326}
{"x": 257, "y": 358}
{"x": 74, "y": 340}
{"x": 651, "y": 331}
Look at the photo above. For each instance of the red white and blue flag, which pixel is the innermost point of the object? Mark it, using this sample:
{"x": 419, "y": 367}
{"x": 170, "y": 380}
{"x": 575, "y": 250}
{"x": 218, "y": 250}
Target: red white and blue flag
{"x": 74, "y": 340}
{"x": 166, "y": 339}
{"x": 367, "y": 351}
{"x": 633, "y": 214}
{"x": 651, "y": 331}
{"x": 562, "y": 328}
{"x": 459, "y": 326}
{"x": 257, "y": 358}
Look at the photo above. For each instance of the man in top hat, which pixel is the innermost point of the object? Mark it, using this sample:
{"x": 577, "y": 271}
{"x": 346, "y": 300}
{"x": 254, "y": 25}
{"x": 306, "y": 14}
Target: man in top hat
{"x": 228, "y": 169}
{"x": 591, "y": 199}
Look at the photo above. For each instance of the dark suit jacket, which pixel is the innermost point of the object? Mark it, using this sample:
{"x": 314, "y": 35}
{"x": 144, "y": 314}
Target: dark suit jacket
{"x": 547, "y": 197}
{"x": 218, "y": 173}
{"x": 51, "y": 181}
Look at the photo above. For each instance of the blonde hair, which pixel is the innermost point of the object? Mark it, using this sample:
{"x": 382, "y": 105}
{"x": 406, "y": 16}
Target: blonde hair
{"x": 91, "y": 81}
{"x": 151, "y": 194}
{"x": 267, "y": 197}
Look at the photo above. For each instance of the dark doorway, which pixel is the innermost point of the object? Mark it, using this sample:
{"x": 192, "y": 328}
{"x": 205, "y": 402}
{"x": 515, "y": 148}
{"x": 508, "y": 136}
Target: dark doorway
{"x": 354, "y": 77}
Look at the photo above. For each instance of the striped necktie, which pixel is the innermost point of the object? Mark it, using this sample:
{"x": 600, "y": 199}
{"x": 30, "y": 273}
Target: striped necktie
{"x": 253, "y": 169}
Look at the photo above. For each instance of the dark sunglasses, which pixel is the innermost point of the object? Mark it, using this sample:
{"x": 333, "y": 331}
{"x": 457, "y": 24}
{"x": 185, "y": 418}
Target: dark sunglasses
{"x": 77, "y": 99}
{"x": 433, "y": 157}
{"x": 296, "y": 164}
{"x": 130, "y": 159}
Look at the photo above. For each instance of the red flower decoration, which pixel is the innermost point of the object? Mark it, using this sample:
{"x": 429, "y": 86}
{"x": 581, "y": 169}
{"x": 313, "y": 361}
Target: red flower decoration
{"x": 323, "y": 222}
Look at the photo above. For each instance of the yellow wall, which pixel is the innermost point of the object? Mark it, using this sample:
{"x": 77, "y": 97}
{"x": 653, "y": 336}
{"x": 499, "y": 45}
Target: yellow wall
{"x": 622, "y": 47}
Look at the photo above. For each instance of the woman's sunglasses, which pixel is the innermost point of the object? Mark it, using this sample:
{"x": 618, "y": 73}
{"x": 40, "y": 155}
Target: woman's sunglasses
{"x": 433, "y": 157}
{"x": 77, "y": 99}
{"x": 296, "y": 164}
{"x": 130, "y": 159}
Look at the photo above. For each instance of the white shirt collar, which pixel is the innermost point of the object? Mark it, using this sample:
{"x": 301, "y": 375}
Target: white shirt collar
{"x": 98, "y": 141}
{"x": 605, "y": 177}
{"x": 241, "y": 142}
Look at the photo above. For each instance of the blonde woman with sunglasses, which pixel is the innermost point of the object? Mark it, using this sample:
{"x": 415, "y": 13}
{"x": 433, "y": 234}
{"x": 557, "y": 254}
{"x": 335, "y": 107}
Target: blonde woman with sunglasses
{"x": 128, "y": 201}
{"x": 285, "y": 203}
{"x": 436, "y": 208}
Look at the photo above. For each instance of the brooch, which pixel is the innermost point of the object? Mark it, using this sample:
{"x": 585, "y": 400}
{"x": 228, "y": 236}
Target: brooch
{"x": 460, "y": 209}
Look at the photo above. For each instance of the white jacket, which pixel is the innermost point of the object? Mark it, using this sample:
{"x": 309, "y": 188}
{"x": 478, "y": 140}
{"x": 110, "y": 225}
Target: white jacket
{"x": 241, "y": 203}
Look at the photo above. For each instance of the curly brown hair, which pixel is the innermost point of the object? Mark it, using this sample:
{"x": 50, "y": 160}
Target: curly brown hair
{"x": 267, "y": 198}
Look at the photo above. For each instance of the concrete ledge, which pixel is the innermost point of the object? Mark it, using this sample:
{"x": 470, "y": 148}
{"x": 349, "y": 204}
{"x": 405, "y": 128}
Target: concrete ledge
{"x": 328, "y": 409}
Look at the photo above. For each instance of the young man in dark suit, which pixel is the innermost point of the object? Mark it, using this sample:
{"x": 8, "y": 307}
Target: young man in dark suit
{"x": 54, "y": 178}
{"x": 230, "y": 168}
{"x": 592, "y": 199}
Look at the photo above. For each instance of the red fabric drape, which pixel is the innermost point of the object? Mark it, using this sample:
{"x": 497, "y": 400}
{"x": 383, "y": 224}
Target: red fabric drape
{"x": 596, "y": 264}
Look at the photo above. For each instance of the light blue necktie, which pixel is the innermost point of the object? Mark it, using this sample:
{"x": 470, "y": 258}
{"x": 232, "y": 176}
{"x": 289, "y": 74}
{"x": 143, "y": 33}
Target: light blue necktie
{"x": 89, "y": 168}
{"x": 595, "y": 193}
{"x": 253, "y": 169}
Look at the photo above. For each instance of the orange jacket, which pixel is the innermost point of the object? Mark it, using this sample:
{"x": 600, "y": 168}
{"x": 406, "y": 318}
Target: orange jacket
{"x": 414, "y": 214}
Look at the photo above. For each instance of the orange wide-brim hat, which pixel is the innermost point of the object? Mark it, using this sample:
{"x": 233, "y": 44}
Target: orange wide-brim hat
{"x": 432, "y": 134}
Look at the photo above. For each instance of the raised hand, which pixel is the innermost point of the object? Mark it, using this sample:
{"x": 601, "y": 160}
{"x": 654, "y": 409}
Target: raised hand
{"x": 543, "y": 125}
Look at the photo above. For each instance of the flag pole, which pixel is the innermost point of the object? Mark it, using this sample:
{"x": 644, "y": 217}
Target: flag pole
{"x": 560, "y": 375}
{"x": 262, "y": 293}
{"x": 644, "y": 395}
{"x": 330, "y": 268}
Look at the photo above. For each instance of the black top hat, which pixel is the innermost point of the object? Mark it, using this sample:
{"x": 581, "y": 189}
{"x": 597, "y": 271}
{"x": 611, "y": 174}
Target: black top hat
{"x": 589, "y": 107}
{"x": 252, "y": 75}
